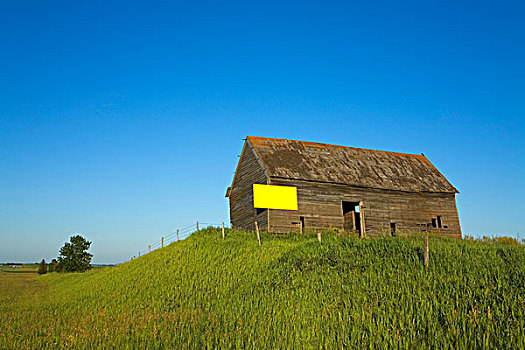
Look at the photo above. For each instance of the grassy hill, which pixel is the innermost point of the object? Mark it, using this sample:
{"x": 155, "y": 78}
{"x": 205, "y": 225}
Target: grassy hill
{"x": 290, "y": 293}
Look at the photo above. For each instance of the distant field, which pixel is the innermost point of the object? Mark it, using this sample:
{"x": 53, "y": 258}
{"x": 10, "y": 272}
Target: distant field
{"x": 19, "y": 269}
{"x": 290, "y": 293}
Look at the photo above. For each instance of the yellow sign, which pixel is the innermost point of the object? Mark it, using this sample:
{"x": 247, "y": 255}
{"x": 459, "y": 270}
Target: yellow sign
{"x": 274, "y": 197}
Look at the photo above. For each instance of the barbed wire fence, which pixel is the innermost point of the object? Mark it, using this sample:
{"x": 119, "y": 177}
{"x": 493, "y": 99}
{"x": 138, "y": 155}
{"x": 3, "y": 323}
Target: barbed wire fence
{"x": 179, "y": 235}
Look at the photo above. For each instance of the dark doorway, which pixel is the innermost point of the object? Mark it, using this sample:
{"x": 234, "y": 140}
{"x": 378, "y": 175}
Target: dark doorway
{"x": 393, "y": 229}
{"x": 351, "y": 217}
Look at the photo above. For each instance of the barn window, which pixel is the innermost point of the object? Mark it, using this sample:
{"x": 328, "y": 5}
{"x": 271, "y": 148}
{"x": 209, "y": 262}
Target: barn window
{"x": 393, "y": 228}
{"x": 259, "y": 211}
{"x": 439, "y": 221}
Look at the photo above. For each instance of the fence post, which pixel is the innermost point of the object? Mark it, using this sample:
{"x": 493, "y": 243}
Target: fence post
{"x": 319, "y": 236}
{"x": 149, "y": 249}
{"x": 139, "y": 254}
{"x": 223, "y": 230}
{"x": 177, "y": 235}
{"x": 197, "y": 225}
{"x": 162, "y": 242}
{"x": 426, "y": 256}
{"x": 257, "y": 230}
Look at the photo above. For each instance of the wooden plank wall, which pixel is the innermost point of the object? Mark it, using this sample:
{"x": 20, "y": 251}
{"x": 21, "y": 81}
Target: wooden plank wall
{"x": 321, "y": 206}
{"x": 242, "y": 213}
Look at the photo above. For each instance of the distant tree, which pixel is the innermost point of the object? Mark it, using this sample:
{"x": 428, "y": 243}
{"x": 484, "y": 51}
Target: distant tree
{"x": 74, "y": 256}
{"x": 52, "y": 266}
{"x": 42, "y": 268}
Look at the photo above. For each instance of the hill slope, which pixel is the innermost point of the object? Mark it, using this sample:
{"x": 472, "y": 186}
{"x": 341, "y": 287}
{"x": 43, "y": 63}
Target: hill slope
{"x": 291, "y": 292}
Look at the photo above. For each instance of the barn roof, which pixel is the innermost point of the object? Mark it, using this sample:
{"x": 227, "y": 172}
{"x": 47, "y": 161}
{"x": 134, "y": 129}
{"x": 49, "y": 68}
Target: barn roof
{"x": 300, "y": 160}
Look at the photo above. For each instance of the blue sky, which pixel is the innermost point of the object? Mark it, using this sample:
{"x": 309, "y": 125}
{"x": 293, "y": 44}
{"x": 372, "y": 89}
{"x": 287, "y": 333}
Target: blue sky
{"x": 122, "y": 121}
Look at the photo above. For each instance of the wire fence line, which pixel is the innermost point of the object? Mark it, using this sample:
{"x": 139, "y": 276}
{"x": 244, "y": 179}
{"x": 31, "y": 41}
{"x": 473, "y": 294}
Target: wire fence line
{"x": 178, "y": 235}
{"x": 186, "y": 231}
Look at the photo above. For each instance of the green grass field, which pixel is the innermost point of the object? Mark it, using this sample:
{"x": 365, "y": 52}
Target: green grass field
{"x": 290, "y": 293}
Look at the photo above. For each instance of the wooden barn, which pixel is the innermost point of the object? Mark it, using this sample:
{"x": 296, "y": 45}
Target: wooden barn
{"x": 368, "y": 191}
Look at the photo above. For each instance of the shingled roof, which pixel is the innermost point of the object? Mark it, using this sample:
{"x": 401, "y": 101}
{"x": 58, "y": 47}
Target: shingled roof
{"x": 300, "y": 160}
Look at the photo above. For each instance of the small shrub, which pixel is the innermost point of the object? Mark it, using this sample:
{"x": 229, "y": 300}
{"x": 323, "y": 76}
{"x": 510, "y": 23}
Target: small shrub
{"x": 42, "y": 268}
{"x": 52, "y": 266}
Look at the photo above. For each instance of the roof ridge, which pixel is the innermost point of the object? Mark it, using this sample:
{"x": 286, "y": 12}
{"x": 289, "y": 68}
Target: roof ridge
{"x": 332, "y": 145}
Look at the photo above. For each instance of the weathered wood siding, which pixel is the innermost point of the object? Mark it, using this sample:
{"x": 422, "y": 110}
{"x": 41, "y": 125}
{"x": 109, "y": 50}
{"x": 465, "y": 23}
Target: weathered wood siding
{"x": 321, "y": 206}
{"x": 242, "y": 213}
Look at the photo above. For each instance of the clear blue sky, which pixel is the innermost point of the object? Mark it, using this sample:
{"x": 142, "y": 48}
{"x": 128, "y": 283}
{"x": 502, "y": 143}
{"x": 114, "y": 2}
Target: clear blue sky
{"x": 122, "y": 121}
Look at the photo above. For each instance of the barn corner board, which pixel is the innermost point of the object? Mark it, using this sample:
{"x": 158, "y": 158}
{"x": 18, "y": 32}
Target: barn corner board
{"x": 368, "y": 191}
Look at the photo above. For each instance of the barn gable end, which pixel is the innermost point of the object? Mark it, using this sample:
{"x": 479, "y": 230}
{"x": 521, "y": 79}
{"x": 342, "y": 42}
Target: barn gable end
{"x": 249, "y": 171}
